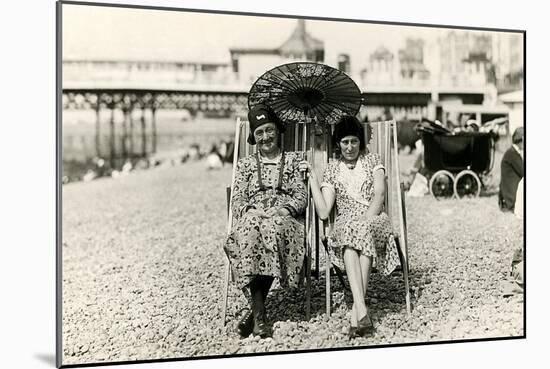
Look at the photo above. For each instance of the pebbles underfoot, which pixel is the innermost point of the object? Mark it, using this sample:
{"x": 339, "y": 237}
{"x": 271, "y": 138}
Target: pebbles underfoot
{"x": 143, "y": 272}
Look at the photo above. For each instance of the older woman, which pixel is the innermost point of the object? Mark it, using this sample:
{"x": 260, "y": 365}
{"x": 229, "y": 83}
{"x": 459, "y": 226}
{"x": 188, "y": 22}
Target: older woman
{"x": 362, "y": 232}
{"x": 266, "y": 241}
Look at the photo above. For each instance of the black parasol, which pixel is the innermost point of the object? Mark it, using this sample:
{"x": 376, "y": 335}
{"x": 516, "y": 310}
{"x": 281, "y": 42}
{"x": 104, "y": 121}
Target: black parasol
{"x": 301, "y": 91}
{"x": 305, "y": 92}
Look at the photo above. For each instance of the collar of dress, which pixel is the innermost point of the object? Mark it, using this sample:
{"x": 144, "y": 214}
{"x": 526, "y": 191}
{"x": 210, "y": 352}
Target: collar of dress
{"x": 266, "y": 160}
{"x": 353, "y": 179}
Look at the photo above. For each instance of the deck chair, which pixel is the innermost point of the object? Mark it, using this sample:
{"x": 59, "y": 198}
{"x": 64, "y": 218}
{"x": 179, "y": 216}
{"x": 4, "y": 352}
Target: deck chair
{"x": 383, "y": 142}
{"x": 295, "y": 138}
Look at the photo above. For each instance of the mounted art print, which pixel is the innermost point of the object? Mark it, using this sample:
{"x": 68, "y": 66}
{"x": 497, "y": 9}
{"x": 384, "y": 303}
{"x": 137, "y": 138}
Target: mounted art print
{"x": 276, "y": 184}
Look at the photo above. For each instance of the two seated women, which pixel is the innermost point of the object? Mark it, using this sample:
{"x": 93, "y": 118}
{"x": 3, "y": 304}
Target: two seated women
{"x": 267, "y": 241}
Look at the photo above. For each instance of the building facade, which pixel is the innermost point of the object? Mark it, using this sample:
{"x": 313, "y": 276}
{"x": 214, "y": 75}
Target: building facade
{"x": 250, "y": 63}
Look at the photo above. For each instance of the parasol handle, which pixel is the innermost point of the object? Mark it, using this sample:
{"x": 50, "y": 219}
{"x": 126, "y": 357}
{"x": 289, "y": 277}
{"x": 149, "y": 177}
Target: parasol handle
{"x": 304, "y": 143}
{"x": 304, "y": 174}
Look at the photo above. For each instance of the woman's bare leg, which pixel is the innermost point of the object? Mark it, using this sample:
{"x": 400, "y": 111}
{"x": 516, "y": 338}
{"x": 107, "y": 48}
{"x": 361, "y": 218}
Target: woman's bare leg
{"x": 353, "y": 270}
{"x": 353, "y": 319}
{"x": 366, "y": 263}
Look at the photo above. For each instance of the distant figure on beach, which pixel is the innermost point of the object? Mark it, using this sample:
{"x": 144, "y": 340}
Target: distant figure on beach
{"x": 214, "y": 159}
{"x": 418, "y": 183}
{"x": 518, "y": 208}
{"x": 514, "y": 283}
{"x": 226, "y": 149}
{"x": 194, "y": 152}
{"x": 511, "y": 172}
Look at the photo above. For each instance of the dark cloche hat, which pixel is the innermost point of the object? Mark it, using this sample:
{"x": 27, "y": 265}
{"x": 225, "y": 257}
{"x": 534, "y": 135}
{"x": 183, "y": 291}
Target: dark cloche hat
{"x": 259, "y": 115}
{"x": 348, "y": 125}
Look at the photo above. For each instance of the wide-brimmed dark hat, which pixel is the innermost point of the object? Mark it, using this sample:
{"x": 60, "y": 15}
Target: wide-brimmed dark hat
{"x": 260, "y": 115}
{"x": 348, "y": 125}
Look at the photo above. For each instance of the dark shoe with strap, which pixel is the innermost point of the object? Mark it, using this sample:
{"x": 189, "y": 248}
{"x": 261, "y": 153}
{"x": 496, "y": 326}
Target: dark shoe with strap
{"x": 365, "y": 327}
{"x": 257, "y": 291}
{"x": 261, "y": 328}
{"x": 246, "y": 324}
{"x": 353, "y": 333}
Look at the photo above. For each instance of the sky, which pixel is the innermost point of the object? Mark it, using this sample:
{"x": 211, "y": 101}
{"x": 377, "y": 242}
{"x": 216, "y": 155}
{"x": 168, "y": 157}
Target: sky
{"x": 94, "y": 32}
{"x": 115, "y": 33}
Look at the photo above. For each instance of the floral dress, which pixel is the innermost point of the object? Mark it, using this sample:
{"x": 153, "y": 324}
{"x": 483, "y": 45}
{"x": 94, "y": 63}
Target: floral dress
{"x": 354, "y": 190}
{"x": 267, "y": 246}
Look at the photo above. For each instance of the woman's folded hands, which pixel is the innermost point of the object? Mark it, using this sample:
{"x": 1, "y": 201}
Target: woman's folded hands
{"x": 269, "y": 213}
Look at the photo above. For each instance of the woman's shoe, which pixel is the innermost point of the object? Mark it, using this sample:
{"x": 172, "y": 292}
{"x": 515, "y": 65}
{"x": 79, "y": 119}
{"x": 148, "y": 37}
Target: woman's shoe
{"x": 353, "y": 333}
{"x": 246, "y": 324}
{"x": 365, "y": 326}
{"x": 258, "y": 313}
{"x": 261, "y": 328}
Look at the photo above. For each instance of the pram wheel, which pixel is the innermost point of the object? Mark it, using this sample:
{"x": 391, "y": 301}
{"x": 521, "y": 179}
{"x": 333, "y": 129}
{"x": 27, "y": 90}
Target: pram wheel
{"x": 441, "y": 184}
{"x": 467, "y": 184}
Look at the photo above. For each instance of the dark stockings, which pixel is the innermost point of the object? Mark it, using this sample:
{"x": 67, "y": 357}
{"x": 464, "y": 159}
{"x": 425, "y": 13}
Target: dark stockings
{"x": 259, "y": 288}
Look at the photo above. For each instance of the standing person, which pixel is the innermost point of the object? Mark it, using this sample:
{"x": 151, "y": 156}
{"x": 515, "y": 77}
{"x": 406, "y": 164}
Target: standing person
{"x": 514, "y": 284}
{"x": 518, "y": 207}
{"x": 362, "y": 232}
{"x": 266, "y": 241}
{"x": 511, "y": 172}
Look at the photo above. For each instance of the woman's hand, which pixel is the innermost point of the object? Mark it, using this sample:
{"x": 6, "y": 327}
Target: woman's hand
{"x": 377, "y": 203}
{"x": 305, "y": 167}
{"x": 258, "y": 212}
{"x": 283, "y": 212}
{"x": 271, "y": 212}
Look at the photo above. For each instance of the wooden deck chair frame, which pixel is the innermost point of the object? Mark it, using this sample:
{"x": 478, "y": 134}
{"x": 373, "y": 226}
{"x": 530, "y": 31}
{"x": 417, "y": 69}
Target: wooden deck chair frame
{"x": 384, "y": 142}
{"x": 296, "y": 138}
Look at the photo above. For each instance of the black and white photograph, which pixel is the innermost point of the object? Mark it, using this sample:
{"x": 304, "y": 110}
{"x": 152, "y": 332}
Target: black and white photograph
{"x": 235, "y": 184}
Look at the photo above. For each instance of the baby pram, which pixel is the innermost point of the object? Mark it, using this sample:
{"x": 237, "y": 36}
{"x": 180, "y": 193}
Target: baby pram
{"x": 456, "y": 162}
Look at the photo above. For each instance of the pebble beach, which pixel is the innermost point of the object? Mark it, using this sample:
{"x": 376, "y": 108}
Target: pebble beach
{"x": 143, "y": 272}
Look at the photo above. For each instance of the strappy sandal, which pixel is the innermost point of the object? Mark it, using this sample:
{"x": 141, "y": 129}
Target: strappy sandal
{"x": 365, "y": 327}
{"x": 353, "y": 333}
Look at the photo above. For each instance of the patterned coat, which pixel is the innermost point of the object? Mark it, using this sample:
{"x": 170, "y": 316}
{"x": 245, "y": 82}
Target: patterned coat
{"x": 267, "y": 246}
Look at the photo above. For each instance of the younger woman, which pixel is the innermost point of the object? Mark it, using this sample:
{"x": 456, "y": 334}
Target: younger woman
{"x": 362, "y": 232}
